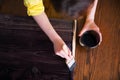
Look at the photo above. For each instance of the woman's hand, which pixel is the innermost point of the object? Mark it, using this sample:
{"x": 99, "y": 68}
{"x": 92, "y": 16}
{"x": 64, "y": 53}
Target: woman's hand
{"x": 90, "y": 25}
{"x": 62, "y": 50}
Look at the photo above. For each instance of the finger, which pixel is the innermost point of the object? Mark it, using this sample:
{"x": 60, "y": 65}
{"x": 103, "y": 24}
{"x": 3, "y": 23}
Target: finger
{"x": 63, "y": 55}
{"x": 59, "y": 54}
{"x": 69, "y": 53}
{"x": 81, "y": 32}
{"x": 100, "y": 38}
{"x": 67, "y": 50}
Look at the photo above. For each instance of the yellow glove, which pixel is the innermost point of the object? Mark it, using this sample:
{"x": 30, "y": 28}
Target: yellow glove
{"x": 34, "y": 7}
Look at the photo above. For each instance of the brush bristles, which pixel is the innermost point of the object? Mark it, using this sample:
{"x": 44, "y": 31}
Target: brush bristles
{"x": 71, "y": 64}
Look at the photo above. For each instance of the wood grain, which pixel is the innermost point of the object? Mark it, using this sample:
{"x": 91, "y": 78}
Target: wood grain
{"x": 24, "y": 46}
{"x": 101, "y": 63}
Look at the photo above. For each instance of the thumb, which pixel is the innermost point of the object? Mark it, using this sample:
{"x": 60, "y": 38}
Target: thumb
{"x": 67, "y": 50}
{"x": 81, "y": 32}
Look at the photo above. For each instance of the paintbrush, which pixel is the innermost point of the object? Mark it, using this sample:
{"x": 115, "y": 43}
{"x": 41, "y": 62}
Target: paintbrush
{"x": 71, "y": 63}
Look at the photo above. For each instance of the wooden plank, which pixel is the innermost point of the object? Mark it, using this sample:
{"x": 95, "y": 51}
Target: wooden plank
{"x": 23, "y": 45}
{"x": 107, "y": 54}
{"x": 103, "y": 61}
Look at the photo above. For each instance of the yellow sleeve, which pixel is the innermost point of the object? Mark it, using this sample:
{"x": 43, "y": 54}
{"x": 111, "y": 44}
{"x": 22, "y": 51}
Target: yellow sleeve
{"x": 34, "y": 7}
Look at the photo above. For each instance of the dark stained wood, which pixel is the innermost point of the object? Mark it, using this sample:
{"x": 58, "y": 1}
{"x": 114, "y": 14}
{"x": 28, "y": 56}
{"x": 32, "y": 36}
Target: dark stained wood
{"x": 26, "y": 53}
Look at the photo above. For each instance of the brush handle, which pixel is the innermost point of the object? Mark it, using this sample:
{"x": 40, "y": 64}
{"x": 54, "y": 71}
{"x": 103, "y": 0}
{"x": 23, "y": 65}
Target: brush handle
{"x": 74, "y": 38}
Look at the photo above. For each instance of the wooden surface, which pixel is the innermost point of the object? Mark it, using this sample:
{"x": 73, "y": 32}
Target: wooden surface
{"x": 26, "y": 53}
{"x": 103, "y": 62}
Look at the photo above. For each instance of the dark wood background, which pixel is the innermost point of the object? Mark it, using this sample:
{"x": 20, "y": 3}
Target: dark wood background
{"x": 101, "y": 63}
